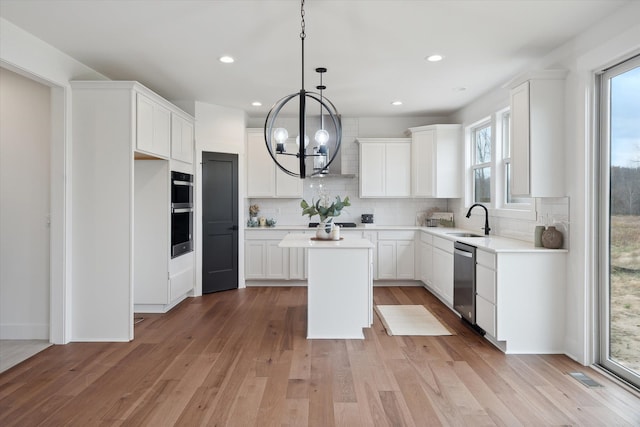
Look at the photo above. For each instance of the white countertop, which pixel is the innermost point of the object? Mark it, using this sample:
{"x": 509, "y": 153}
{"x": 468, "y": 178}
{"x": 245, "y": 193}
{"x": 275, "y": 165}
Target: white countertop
{"x": 305, "y": 241}
{"x": 491, "y": 243}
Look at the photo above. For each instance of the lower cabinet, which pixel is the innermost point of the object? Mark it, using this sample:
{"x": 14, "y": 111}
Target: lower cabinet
{"x": 426, "y": 259}
{"x": 396, "y": 255}
{"x": 265, "y": 260}
{"x": 520, "y": 300}
{"x": 442, "y": 259}
{"x": 486, "y": 291}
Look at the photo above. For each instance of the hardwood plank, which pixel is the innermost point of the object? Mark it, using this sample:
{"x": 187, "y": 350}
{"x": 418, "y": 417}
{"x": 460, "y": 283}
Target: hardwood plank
{"x": 242, "y": 358}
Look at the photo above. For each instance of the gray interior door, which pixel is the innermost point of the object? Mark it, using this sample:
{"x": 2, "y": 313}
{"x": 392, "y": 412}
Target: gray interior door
{"x": 219, "y": 222}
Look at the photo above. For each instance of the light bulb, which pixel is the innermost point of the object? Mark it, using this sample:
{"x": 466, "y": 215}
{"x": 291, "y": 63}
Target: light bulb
{"x": 322, "y": 136}
{"x": 280, "y": 135}
{"x": 306, "y": 141}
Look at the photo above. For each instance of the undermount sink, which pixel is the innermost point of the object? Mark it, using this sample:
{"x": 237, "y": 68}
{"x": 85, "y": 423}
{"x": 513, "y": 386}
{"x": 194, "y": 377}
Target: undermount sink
{"x": 457, "y": 234}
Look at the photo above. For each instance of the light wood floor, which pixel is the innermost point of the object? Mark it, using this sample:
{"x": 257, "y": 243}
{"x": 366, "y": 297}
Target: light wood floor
{"x": 13, "y": 352}
{"x": 240, "y": 358}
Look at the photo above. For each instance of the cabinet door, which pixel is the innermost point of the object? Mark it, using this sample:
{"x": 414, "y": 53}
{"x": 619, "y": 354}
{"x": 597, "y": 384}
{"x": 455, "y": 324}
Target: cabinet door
{"x": 443, "y": 274}
{"x": 398, "y": 170}
{"x": 372, "y": 170}
{"x": 261, "y": 177}
{"x": 181, "y": 139}
{"x": 288, "y": 186}
{"x": 486, "y": 315}
{"x": 520, "y": 134}
{"x": 277, "y": 261}
{"x": 426, "y": 263}
{"x": 297, "y": 263}
{"x": 405, "y": 259}
{"x": 423, "y": 163}
{"x": 255, "y": 253}
{"x": 153, "y": 127}
{"x": 386, "y": 259}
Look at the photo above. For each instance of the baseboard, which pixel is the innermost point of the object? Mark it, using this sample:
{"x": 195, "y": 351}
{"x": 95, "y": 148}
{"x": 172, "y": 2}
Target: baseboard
{"x": 24, "y": 331}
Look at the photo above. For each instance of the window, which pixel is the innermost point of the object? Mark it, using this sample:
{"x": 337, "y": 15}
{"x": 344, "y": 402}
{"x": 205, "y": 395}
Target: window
{"x": 508, "y": 201}
{"x": 489, "y": 161}
{"x": 481, "y": 162}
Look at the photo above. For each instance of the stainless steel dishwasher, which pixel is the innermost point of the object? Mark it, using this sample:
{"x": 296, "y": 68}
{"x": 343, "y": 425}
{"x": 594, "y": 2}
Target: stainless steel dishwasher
{"x": 464, "y": 283}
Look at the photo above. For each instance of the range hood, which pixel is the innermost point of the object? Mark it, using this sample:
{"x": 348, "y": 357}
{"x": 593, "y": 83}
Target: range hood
{"x": 335, "y": 168}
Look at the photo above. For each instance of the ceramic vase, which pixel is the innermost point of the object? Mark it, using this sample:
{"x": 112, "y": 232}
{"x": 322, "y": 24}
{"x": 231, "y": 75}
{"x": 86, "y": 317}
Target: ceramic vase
{"x": 324, "y": 230}
{"x": 551, "y": 238}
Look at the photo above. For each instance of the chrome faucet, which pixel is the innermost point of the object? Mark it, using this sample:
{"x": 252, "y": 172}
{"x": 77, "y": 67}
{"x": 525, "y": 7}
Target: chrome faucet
{"x": 486, "y": 217}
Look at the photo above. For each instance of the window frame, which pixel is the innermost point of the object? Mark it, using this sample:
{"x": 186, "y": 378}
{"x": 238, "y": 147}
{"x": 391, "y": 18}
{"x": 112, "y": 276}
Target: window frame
{"x": 499, "y": 206}
{"x": 474, "y": 166}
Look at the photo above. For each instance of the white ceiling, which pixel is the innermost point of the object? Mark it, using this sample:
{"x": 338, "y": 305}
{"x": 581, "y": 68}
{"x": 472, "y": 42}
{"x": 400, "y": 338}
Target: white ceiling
{"x": 374, "y": 49}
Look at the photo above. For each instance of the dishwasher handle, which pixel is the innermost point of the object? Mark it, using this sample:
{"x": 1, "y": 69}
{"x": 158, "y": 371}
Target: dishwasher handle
{"x": 463, "y": 253}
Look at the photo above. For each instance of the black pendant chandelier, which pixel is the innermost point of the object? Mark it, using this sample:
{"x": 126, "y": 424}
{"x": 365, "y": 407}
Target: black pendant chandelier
{"x": 311, "y": 157}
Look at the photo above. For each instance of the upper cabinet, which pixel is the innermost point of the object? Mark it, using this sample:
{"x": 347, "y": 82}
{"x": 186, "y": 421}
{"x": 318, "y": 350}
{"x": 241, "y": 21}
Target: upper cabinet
{"x": 537, "y": 134}
{"x": 153, "y": 127}
{"x": 181, "y": 138}
{"x": 436, "y": 161}
{"x": 264, "y": 177}
{"x": 385, "y": 167}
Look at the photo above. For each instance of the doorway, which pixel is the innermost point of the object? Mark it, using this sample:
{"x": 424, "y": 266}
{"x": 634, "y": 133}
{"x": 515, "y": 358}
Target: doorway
{"x": 25, "y": 197}
{"x": 219, "y": 222}
{"x": 619, "y": 237}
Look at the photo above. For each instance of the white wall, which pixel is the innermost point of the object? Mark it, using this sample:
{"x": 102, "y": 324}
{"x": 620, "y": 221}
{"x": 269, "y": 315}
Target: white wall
{"x": 219, "y": 130}
{"x": 23, "y": 53}
{"x": 25, "y": 114}
{"x": 616, "y": 37}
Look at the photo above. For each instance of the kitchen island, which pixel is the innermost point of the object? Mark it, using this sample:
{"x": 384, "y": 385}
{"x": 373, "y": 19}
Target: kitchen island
{"x": 340, "y": 285}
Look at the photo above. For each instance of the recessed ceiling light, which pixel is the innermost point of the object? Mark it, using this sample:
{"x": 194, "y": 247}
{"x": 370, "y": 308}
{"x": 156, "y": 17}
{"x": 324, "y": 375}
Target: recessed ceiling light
{"x": 256, "y": 104}
{"x": 434, "y": 58}
{"x": 459, "y": 89}
{"x": 226, "y": 59}
{"x": 396, "y": 103}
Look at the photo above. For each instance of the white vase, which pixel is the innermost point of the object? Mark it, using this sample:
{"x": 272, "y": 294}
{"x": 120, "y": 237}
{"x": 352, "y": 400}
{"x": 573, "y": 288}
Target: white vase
{"x": 324, "y": 230}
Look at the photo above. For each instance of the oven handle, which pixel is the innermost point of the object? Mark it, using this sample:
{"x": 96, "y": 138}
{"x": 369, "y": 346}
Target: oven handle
{"x": 184, "y": 183}
{"x": 463, "y": 253}
{"x": 181, "y": 210}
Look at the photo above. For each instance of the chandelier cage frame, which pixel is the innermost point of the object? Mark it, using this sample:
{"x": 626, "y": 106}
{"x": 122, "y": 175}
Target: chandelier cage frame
{"x": 301, "y": 153}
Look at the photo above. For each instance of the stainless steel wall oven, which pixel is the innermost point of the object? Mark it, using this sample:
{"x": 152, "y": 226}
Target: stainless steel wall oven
{"x": 181, "y": 213}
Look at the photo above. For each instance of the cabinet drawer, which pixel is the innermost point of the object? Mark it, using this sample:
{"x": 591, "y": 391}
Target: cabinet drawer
{"x": 396, "y": 235}
{"x": 444, "y": 244}
{"x": 486, "y": 315}
{"x": 486, "y": 283}
{"x": 487, "y": 259}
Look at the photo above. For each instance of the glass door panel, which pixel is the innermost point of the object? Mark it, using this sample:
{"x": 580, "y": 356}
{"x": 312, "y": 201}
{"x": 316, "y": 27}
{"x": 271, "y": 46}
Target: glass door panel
{"x": 620, "y": 221}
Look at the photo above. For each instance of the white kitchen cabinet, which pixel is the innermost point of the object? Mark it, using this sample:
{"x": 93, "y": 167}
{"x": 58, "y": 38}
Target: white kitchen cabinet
{"x": 277, "y": 266}
{"x": 264, "y": 178}
{"x": 520, "y": 300}
{"x": 122, "y": 237}
{"x": 537, "y": 135}
{"x": 385, "y": 167}
{"x": 181, "y": 139}
{"x": 255, "y": 259}
{"x": 396, "y": 255}
{"x": 153, "y": 127}
{"x": 486, "y": 291}
{"x": 443, "y": 268}
{"x": 436, "y": 161}
{"x": 426, "y": 259}
{"x": 265, "y": 260}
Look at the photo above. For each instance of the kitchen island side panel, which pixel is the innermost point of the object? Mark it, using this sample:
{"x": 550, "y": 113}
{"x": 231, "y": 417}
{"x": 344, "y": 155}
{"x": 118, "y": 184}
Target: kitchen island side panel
{"x": 339, "y": 293}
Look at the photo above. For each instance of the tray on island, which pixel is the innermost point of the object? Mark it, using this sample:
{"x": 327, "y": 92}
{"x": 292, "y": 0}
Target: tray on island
{"x": 324, "y": 240}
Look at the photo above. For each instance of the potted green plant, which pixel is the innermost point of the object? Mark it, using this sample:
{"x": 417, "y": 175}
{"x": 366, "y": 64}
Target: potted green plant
{"x": 326, "y": 227}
